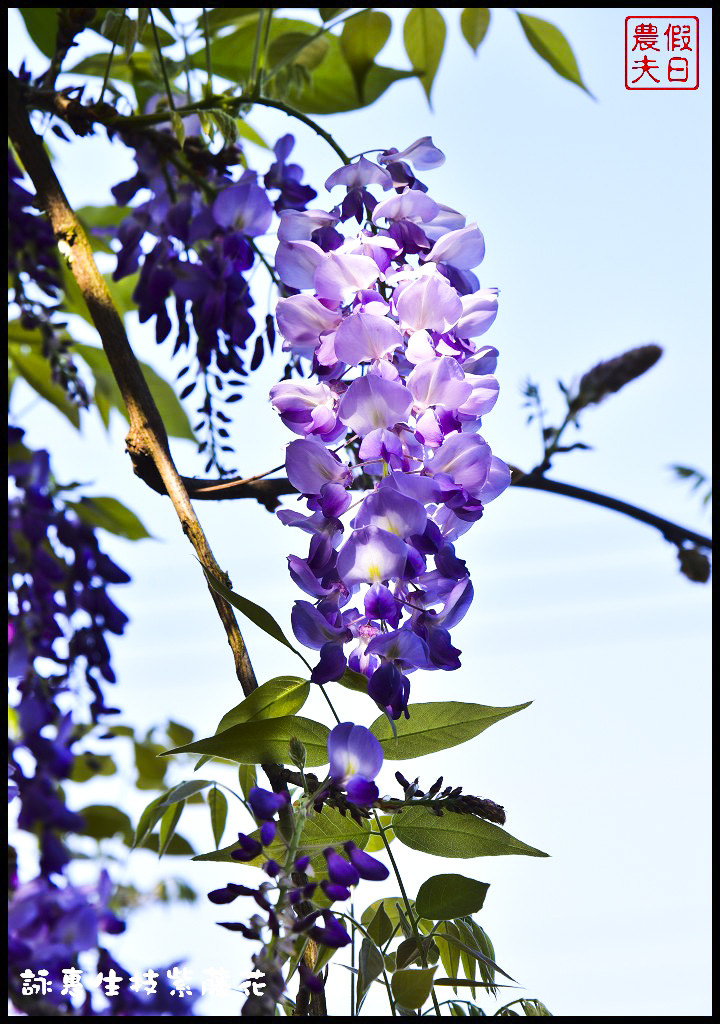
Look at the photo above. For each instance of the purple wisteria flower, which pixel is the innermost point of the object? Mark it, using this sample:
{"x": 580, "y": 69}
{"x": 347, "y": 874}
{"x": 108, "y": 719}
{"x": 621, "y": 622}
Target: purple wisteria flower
{"x": 356, "y": 757}
{"x": 387, "y": 316}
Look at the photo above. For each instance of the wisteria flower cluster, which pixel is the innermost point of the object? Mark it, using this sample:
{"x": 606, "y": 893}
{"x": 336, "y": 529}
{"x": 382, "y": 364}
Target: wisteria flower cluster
{"x": 355, "y": 757}
{"x": 389, "y": 319}
{"x": 197, "y": 248}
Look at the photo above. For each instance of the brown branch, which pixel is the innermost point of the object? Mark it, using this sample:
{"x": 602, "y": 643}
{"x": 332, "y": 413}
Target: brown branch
{"x": 672, "y": 532}
{"x": 147, "y": 440}
{"x": 269, "y": 492}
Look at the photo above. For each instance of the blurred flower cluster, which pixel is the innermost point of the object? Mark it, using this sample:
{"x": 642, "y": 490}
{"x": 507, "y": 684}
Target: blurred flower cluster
{"x": 59, "y": 613}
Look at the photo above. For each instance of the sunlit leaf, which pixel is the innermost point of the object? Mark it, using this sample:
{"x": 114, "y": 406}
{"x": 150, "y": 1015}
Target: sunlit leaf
{"x": 445, "y": 897}
{"x": 456, "y": 835}
{"x": 548, "y": 41}
{"x": 111, "y": 515}
{"x": 263, "y": 742}
{"x": 424, "y": 35}
{"x": 255, "y": 612}
{"x": 437, "y": 726}
{"x": 217, "y": 802}
{"x": 474, "y": 22}
{"x": 362, "y": 38}
{"x": 412, "y": 986}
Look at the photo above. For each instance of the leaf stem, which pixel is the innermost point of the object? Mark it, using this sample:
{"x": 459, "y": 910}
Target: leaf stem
{"x": 158, "y": 47}
{"x": 408, "y": 909}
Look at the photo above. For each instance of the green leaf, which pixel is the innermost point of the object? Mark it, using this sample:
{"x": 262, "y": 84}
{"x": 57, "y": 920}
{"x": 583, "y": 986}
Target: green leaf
{"x": 424, "y": 36}
{"x": 179, "y": 847}
{"x": 474, "y": 22}
{"x": 456, "y": 835}
{"x": 148, "y": 820}
{"x": 221, "y": 17}
{"x": 150, "y": 766}
{"x": 42, "y": 25}
{"x": 279, "y": 697}
{"x": 445, "y": 897}
{"x": 329, "y": 828}
{"x": 184, "y": 791}
{"x": 173, "y": 415}
{"x": 179, "y": 733}
{"x": 354, "y": 681}
{"x": 549, "y": 43}
{"x": 331, "y": 87}
{"x": 297, "y": 49}
{"x": 437, "y": 726}
{"x": 103, "y": 821}
{"x": 248, "y": 132}
{"x": 362, "y": 38}
{"x": 111, "y": 515}
{"x": 328, "y": 13}
{"x": 35, "y": 371}
{"x": 379, "y": 925}
{"x": 412, "y": 986}
{"x": 217, "y": 802}
{"x": 168, "y": 825}
{"x": 264, "y": 741}
{"x": 370, "y": 967}
{"x": 247, "y": 776}
{"x": 257, "y": 614}
{"x": 88, "y": 766}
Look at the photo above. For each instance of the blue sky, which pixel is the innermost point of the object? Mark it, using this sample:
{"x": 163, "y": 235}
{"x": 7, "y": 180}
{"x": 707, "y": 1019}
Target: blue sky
{"x": 596, "y": 219}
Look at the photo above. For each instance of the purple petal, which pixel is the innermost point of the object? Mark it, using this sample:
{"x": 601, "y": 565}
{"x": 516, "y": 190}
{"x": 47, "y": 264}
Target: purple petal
{"x": 245, "y": 208}
{"x": 371, "y": 555}
{"x": 392, "y": 511}
{"x": 372, "y": 402}
{"x": 429, "y": 303}
{"x": 301, "y": 320}
{"x": 422, "y": 154}
{"x": 310, "y": 466}
{"x": 363, "y": 336}
{"x": 439, "y": 382}
{"x": 411, "y": 205}
{"x": 464, "y": 248}
{"x": 341, "y": 275}
{"x": 297, "y": 262}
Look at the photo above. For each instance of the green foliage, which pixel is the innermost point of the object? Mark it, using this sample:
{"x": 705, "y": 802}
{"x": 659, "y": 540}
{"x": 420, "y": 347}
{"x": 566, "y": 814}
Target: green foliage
{"x": 424, "y": 35}
{"x": 264, "y": 741}
{"x": 329, "y": 828}
{"x": 474, "y": 23}
{"x": 444, "y": 897}
{"x": 255, "y": 612}
{"x": 411, "y": 987}
{"x": 362, "y": 38}
{"x": 41, "y": 23}
{"x": 111, "y": 515}
{"x": 103, "y": 821}
{"x": 548, "y": 41}
{"x": 370, "y": 967}
{"x": 378, "y": 922}
{"x": 437, "y": 726}
{"x": 279, "y": 697}
{"x": 217, "y": 802}
{"x": 35, "y": 371}
{"x": 107, "y": 393}
{"x": 456, "y": 835}
{"x": 168, "y": 825}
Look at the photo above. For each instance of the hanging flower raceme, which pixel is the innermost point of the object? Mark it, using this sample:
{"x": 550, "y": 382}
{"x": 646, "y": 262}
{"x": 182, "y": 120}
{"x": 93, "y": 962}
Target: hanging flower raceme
{"x": 287, "y": 901}
{"x": 390, "y": 319}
